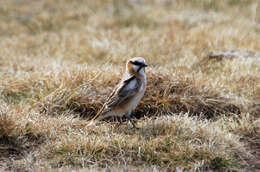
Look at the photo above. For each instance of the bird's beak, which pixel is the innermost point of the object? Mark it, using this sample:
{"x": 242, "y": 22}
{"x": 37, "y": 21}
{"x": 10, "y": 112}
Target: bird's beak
{"x": 145, "y": 65}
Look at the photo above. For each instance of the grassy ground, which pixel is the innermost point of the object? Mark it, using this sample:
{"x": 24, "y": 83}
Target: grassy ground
{"x": 60, "y": 59}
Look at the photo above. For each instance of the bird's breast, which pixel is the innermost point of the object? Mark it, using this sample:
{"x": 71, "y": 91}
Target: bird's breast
{"x": 136, "y": 99}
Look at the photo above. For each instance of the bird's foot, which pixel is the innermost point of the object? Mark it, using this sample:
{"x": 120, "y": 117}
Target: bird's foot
{"x": 135, "y": 127}
{"x": 133, "y": 123}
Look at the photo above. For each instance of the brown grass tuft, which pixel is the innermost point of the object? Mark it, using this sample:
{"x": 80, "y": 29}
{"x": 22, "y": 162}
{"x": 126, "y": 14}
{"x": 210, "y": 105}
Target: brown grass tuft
{"x": 60, "y": 60}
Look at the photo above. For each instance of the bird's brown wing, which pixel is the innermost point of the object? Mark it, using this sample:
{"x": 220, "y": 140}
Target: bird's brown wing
{"x": 121, "y": 94}
{"x": 129, "y": 88}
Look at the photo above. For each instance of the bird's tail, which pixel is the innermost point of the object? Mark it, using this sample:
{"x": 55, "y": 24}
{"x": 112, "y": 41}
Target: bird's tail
{"x": 99, "y": 112}
{"x": 92, "y": 121}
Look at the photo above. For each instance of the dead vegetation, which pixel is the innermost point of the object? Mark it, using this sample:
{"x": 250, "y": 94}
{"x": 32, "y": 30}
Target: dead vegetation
{"x": 59, "y": 61}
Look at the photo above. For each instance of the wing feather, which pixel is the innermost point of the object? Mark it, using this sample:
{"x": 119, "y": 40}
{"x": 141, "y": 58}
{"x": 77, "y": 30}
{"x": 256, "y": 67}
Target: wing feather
{"x": 129, "y": 88}
{"x": 121, "y": 94}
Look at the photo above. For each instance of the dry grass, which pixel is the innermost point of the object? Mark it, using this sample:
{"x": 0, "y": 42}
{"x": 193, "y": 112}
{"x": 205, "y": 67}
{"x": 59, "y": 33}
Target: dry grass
{"x": 59, "y": 61}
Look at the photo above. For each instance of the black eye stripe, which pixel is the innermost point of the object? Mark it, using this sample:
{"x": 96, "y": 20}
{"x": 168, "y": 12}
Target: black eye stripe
{"x": 137, "y": 63}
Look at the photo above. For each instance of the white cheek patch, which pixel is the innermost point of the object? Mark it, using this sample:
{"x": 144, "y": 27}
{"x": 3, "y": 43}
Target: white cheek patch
{"x": 142, "y": 72}
{"x": 135, "y": 67}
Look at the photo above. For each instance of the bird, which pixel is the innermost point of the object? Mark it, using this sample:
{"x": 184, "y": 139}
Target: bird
{"x": 127, "y": 94}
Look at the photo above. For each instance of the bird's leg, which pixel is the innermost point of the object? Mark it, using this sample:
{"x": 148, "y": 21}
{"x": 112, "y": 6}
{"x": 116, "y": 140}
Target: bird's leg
{"x": 131, "y": 120}
{"x": 120, "y": 122}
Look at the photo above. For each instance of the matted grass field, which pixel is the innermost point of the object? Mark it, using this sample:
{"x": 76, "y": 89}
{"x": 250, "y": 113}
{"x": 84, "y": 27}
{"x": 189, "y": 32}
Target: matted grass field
{"x": 59, "y": 60}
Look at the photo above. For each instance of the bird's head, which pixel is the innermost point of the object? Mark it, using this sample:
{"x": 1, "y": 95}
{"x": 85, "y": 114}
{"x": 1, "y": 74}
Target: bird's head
{"x": 136, "y": 66}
